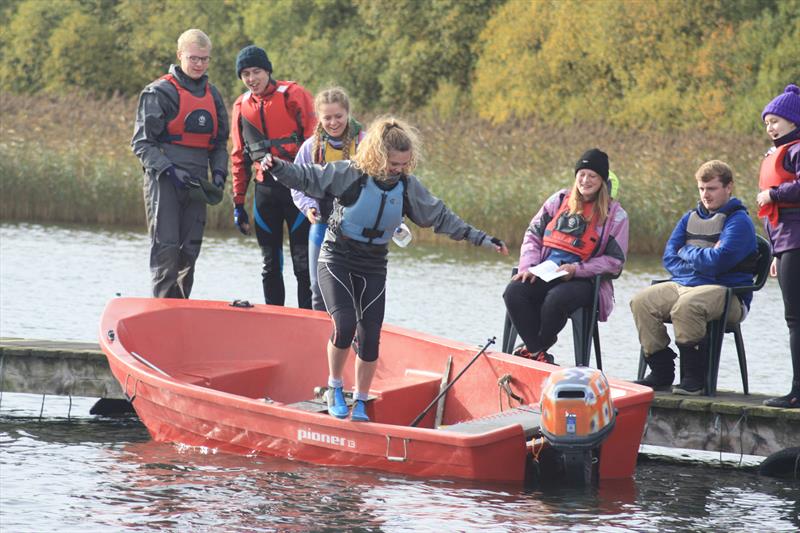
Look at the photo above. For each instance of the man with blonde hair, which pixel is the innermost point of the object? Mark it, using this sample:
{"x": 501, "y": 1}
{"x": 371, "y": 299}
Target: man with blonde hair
{"x": 180, "y": 135}
{"x": 712, "y": 247}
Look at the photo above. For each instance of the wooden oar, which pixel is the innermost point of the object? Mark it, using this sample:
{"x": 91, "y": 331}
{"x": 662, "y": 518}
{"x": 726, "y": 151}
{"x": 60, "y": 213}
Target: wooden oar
{"x": 444, "y": 391}
{"x": 440, "y": 405}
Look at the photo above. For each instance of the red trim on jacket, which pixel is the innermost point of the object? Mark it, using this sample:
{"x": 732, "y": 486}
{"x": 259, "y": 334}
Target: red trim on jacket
{"x": 287, "y": 109}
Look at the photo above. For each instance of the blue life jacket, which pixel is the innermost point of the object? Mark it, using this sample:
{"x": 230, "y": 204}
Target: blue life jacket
{"x": 373, "y": 217}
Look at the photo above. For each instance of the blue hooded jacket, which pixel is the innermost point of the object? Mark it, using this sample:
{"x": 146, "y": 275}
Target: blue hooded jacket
{"x": 692, "y": 266}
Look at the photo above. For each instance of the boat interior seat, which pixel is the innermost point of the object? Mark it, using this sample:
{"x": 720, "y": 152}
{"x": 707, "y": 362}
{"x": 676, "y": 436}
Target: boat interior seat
{"x": 400, "y": 398}
{"x": 243, "y": 377}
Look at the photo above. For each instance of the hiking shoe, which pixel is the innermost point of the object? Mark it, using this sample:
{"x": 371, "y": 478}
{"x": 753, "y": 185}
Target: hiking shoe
{"x": 359, "y": 412}
{"x": 542, "y": 357}
{"x": 337, "y": 406}
{"x": 790, "y": 401}
{"x": 688, "y": 387}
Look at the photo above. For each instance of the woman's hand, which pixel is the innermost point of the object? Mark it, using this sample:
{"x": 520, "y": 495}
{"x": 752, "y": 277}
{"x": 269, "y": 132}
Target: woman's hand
{"x": 525, "y": 277}
{"x": 763, "y": 198}
{"x": 313, "y": 215}
{"x": 267, "y": 162}
{"x": 570, "y": 268}
{"x": 773, "y": 268}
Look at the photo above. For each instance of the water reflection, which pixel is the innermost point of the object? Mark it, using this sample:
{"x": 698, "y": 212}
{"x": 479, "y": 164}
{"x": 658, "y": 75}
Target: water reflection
{"x": 110, "y": 476}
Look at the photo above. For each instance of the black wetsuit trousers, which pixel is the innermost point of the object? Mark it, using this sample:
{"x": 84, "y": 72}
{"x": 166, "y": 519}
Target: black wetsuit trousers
{"x": 356, "y": 302}
{"x": 539, "y": 310}
{"x": 273, "y": 207}
{"x": 789, "y": 280}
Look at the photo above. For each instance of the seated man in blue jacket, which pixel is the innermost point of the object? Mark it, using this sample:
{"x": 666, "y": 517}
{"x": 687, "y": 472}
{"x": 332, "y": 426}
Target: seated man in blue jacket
{"x": 712, "y": 247}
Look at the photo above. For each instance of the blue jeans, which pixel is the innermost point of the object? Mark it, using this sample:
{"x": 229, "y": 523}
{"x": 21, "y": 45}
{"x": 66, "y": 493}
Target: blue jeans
{"x": 316, "y": 234}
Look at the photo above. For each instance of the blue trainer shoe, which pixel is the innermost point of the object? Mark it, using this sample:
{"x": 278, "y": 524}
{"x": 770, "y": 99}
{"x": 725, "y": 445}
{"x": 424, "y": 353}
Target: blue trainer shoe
{"x": 337, "y": 406}
{"x": 359, "y": 412}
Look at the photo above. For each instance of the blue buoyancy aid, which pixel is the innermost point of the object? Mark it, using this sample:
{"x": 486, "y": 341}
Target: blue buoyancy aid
{"x": 373, "y": 217}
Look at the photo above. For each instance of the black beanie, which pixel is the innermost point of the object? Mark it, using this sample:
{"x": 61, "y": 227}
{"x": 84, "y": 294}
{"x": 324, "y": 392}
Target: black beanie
{"x": 252, "y": 56}
{"x": 596, "y": 160}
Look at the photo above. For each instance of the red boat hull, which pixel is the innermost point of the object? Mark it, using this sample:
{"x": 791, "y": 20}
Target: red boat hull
{"x": 198, "y": 373}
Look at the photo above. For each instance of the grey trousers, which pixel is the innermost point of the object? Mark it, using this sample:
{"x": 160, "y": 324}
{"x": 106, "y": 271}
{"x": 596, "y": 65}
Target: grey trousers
{"x": 175, "y": 222}
{"x": 689, "y": 309}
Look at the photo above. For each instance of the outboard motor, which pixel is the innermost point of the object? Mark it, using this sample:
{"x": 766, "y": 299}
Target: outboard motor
{"x": 577, "y": 415}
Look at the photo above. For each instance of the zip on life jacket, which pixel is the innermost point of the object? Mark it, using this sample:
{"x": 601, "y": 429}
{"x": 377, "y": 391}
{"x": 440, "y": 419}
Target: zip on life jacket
{"x": 195, "y": 125}
{"x": 705, "y": 233}
{"x": 284, "y": 135}
{"x": 772, "y": 174}
{"x": 573, "y": 233}
{"x": 375, "y": 214}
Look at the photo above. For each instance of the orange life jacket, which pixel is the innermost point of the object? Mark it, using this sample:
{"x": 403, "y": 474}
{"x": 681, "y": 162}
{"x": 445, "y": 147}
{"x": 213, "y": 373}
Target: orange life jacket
{"x": 269, "y": 127}
{"x": 195, "y": 125}
{"x": 576, "y": 234}
{"x": 773, "y": 174}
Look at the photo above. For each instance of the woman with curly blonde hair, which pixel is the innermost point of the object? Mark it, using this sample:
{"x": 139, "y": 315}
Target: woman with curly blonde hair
{"x": 372, "y": 193}
{"x": 336, "y": 137}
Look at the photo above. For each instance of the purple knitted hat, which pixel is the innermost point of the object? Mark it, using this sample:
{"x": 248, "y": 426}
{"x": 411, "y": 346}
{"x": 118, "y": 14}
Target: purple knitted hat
{"x": 785, "y": 105}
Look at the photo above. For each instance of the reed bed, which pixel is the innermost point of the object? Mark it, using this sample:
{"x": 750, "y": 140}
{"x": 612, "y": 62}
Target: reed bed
{"x": 68, "y": 159}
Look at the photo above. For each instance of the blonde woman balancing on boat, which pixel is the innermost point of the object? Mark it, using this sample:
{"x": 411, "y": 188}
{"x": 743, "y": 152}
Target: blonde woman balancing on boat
{"x": 336, "y": 137}
{"x": 372, "y": 193}
{"x": 579, "y": 232}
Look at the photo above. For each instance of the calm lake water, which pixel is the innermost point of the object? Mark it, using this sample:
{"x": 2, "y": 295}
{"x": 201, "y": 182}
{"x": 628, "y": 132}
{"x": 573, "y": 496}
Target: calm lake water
{"x": 87, "y": 474}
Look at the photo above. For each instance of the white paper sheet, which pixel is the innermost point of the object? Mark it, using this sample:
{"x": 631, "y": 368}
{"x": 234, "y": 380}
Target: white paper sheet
{"x": 547, "y": 271}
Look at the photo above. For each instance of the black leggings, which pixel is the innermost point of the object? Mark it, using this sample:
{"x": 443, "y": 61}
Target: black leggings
{"x": 789, "y": 280}
{"x": 539, "y": 310}
{"x": 273, "y": 207}
{"x": 356, "y": 303}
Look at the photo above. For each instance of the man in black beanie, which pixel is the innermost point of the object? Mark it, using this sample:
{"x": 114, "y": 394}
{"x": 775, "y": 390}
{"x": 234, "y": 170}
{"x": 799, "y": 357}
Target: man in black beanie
{"x": 272, "y": 117}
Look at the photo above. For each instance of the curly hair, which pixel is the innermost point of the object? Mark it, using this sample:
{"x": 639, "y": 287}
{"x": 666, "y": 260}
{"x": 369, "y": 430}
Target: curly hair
{"x": 332, "y": 95}
{"x": 384, "y": 134}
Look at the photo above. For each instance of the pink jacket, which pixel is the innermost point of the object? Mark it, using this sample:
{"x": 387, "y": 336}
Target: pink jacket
{"x": 609, "y": 258}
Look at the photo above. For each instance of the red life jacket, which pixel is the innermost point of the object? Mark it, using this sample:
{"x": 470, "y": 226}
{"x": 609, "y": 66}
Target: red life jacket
{"x": 576, "y": 234}
{"x": 195, "y": 125}
{"x": 269, "y": 127}
{"x": 773, "y": 174}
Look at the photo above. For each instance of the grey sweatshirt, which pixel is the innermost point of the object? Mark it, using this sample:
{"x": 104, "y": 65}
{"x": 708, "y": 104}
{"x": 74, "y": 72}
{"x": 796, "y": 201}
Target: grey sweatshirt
{"x": 419, "y": 205}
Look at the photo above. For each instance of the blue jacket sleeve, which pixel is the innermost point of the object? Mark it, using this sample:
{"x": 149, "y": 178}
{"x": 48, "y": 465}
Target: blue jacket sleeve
{"x": 673, "y": 263}
{"x": 736, "y": 242}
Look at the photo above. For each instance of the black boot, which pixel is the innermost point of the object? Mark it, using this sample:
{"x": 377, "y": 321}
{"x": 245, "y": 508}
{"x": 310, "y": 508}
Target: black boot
{"x": 694, "y": 362}
{"x": 662, "y": 366}
{"x": 790, "y": 401}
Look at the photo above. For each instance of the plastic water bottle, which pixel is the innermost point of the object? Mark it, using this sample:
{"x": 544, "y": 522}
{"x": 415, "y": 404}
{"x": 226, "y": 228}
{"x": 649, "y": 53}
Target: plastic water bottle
{"x": 402, "y": 235}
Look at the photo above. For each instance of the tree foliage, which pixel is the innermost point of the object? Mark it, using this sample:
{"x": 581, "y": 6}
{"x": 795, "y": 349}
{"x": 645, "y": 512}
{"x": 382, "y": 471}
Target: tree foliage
{"x": 662, "y": 64}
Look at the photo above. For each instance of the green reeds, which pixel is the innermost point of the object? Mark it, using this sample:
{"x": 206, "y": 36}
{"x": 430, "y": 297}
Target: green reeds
{"x": 68, "y": 159}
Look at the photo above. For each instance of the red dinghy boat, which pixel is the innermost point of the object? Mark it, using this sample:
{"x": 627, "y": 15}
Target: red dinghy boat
{"x": 246, "y": 380}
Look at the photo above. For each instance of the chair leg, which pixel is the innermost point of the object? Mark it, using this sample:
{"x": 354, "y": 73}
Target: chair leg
{"x": 509, "y": 335}
{"x": 596, "y": 336}
{"x": 737, "y": 335}
{"x": 581, "y": 341}
{"x": 642, "y": 365}
{"x": 714, "y": 339}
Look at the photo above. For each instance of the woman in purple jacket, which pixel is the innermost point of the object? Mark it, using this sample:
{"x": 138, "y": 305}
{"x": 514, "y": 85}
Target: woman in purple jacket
{"x": 779, "y": 205}
{"x": 579, "y": 233}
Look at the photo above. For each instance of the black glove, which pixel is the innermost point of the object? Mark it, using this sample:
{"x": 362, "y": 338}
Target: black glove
{"x": 218, "y": 179}
{"x": 240, "y": 217}
{"x": 181, "y": 178}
